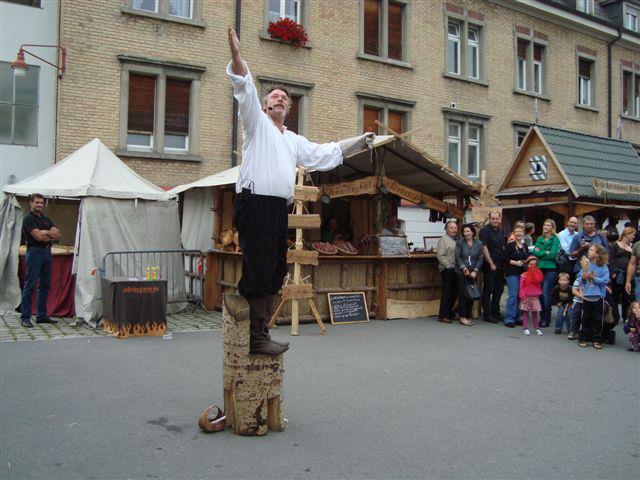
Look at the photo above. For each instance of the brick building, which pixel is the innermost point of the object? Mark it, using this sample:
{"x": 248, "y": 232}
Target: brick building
{"x": 147, "y": 76}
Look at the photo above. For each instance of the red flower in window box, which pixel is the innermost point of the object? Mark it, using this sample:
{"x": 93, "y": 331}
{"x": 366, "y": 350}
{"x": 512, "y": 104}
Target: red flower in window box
{"x": 289, "y": 31}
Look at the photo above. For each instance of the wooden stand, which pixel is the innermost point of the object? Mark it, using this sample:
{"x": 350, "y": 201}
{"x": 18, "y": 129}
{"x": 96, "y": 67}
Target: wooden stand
{"x": 252, "y": 383}
{"x": 298, "y": 289}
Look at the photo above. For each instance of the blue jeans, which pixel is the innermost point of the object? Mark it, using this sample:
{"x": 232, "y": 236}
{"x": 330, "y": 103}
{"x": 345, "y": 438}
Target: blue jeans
{"x": 512, "y": 311}
{"x": 563, "y": 318}
{"x": 548, "y": 282}
{"x": 38, "y": 263}
{"x": 638, "y": 288}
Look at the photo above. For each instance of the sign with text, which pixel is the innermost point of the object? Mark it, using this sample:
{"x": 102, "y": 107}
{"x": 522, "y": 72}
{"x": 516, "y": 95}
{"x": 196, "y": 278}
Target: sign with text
{"x": 392, "y": 246}
{"x": 348, "y": 307}
{"x": 607, "y": 186}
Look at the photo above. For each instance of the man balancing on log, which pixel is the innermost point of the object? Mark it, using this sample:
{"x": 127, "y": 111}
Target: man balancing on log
{"x": 265, "y": 187}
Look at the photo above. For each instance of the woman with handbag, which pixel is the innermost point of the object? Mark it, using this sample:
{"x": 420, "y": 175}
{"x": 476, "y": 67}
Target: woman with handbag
{"x": 468, "y": 263}
{"x": 619, "y": 258}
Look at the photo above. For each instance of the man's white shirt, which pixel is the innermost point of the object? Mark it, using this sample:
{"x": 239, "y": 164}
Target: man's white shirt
{"x": 565, "y": 237}
{"x": 269, "y": 157}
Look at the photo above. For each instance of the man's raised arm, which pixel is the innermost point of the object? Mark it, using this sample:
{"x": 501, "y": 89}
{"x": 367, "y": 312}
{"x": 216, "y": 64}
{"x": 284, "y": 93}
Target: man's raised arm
{"x": 237, "y": 64}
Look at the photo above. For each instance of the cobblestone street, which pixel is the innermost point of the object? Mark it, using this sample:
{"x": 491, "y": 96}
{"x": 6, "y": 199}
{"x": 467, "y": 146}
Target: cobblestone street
{"x": 190, "y": 320}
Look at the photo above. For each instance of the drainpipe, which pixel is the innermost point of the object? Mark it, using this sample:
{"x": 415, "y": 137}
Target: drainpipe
{"x": 234, "y": 115}
{"x": 609, "y": 81}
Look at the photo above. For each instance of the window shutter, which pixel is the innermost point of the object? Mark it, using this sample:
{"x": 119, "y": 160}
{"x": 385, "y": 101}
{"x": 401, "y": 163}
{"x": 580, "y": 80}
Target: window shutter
{"x": 142, "y": 94}
{"x": 291, "y": 122}
{"x": 584, "y": 68}
{"x": 372, "y": 27}
{"x": 176, "y": 110}
{"x": 537, "y": 53}
{"x": 369, "y": 121}
{"x": 395, "y": 31}
{"x": 395, "y": 121}
{"x": 522, "y": 49}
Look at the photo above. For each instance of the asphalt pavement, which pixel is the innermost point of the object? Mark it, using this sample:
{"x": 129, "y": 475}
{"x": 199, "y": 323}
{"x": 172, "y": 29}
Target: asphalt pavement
{"x": 395, "y": 399}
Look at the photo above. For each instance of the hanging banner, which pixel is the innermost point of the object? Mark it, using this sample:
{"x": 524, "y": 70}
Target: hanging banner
{"x": 607, "y": 186}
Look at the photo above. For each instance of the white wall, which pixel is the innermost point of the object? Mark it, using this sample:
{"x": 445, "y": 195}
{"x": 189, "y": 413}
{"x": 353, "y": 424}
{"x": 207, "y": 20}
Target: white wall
{"x": 21, "y": 24}
{"x": 417, "y": 225}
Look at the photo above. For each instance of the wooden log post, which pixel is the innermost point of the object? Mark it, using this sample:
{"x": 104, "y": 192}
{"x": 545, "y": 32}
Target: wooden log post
{"x": 252, "y": 383}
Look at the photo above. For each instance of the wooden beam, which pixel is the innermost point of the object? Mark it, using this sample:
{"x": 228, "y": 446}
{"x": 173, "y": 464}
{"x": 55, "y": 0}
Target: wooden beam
{"x": 306, "y": 193}
{"x": 303, "y": 257}
{"x": 363, "y": 186}
{"x": 383, "y": 292}
{"x": 416, "y": 197}
{"x": 304, "y": 221}
{"x": 291, "y": 291}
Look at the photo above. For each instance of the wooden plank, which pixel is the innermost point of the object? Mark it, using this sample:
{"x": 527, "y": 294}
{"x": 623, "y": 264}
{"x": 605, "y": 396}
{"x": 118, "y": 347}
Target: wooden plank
{"x": 363, "y": 186}
{"x": 381, "y": 282}
{"x": 304, "y": 221}
{"x": 306, "y": 193}
{"x": 412, "y": 308}
{"x": 416, "y": 197}
{"x": 212, "y": 296}
{"x": 303, "y": 257}
{"x": 293, "y": 292}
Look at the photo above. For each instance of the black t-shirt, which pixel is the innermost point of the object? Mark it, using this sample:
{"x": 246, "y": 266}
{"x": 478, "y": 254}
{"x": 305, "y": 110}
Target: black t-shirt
{"x": 495, "y": 240}
{"x": 32, "y": 221}
{"x": 514, "y": 253}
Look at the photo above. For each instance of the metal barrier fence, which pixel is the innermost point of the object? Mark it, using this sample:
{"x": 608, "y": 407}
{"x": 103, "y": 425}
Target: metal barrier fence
{"x": 182, "y": 269}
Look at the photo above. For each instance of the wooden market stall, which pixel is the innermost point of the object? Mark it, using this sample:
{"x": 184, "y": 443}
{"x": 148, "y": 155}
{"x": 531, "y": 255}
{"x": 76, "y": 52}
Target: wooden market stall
{"x": 558, "y": 173}
{"x": 364, "y": 193}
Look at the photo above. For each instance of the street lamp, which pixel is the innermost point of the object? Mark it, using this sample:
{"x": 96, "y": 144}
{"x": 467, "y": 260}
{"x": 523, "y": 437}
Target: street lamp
{"x": 20, "y": 67}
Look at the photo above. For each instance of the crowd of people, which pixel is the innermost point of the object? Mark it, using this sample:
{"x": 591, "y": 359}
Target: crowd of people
{"x": 592, "y": 279}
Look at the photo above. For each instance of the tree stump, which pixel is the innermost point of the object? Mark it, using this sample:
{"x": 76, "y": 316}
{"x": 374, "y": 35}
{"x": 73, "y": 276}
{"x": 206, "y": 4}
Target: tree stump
{"x": 252, "y": 383}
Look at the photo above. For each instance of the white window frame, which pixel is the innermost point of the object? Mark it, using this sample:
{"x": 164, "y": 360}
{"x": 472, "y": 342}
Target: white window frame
{"x": 190, "y": 17}
{"x": 586, "y": 97}
{"x": 282, "y": 9}
{"x": 474, "y": 142}
{"x": 585, "y": 6}
{"x": 474, "y": 46}
{"x": 631, "y": 12}
{"x": 537, "y": 77}
{"x": 455, "y": 39}
{"x": 636, "y": 95}
{"x": 455, "y": 140}
{"x": 522, "y": 74}
{"x": 143, "y": 9}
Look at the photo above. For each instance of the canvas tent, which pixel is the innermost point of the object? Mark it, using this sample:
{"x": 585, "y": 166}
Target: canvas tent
{"x": 118, "y": 211}
{"x": 197, "y": 206}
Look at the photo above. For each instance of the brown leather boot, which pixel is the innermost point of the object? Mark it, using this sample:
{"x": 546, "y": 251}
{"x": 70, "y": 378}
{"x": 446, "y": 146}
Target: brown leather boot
{"x": 259, "y": 341}
{"x": 271, "y": 302}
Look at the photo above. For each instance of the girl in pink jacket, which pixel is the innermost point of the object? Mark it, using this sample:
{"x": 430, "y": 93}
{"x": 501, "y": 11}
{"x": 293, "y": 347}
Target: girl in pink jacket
{"x": 530, "y": 291}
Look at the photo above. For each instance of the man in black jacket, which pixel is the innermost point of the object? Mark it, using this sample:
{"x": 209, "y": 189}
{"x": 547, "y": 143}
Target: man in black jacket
{"x": 493, "y": 244}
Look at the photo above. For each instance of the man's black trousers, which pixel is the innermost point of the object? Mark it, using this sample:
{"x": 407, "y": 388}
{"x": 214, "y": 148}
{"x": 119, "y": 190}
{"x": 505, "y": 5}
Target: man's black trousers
{"x": 261, "y": 222}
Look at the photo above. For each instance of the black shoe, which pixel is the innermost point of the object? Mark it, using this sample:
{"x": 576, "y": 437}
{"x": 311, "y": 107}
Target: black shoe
{"x": 261, "y": 345}
{"x": 26, "y": 323}
{"x": 510, "y": 325}
{"x": 284, "y": 344}
{"x": 490, "y": 320}
{"x": 498, "y": 316}
{"x": 611, "y": 338}
{"x": 46, "y": 320}
{"x": 557, "y": 331}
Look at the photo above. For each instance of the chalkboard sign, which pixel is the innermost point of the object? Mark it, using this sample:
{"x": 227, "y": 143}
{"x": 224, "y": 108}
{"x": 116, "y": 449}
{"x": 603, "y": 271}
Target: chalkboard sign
{"x": 390, "y": 245}
{"x": 348, "y": 307}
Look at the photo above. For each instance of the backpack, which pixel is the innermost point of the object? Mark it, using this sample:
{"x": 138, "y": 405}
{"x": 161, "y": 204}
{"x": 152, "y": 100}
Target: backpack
{"x": 564, "y": 262}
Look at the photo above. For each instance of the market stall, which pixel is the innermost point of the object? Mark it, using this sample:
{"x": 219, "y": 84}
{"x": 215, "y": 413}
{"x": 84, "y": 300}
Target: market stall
{"x": 100, "y": 205}
{"x": 363, "y": 196}
{"x": 558, "y": 173}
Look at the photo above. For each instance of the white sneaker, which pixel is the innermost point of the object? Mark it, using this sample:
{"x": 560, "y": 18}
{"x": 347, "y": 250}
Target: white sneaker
{"x": 539, "y": 332}
{"x": 526, "y": 331}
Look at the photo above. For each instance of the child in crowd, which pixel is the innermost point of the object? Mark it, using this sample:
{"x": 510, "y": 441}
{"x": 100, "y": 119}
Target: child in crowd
{"x": 563, "y": 298}
{"x": 595, "y": 277}
{"x": 530, "y": 291}
{"x": 576, "y": 313}
{"x": 632, "y": 325}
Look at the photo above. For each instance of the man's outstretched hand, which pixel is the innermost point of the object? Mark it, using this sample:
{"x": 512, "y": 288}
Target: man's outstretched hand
{"x": 237, "y": 64}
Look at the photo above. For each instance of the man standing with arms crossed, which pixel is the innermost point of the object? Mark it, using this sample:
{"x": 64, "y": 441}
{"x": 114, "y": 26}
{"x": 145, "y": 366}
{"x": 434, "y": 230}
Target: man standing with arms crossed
{"x": 38, "y": 231}
{"x": 265, "y": 187}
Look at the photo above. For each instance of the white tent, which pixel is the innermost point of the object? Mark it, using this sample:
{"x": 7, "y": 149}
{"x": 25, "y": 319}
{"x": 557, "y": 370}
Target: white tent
{"x": 197, "y": 206}
{"x": 119, "y": 211}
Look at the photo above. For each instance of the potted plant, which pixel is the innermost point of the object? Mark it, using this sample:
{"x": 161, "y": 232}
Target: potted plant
{"x": 288, "y": 31}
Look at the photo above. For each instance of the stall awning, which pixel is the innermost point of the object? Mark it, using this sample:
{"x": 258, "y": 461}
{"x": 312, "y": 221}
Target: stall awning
{"x": 408, "y": 165}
